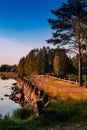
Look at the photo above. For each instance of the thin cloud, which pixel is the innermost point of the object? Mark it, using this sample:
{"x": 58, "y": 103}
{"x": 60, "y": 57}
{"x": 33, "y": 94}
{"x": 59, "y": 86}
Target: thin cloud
{"x": 11, "y": 51}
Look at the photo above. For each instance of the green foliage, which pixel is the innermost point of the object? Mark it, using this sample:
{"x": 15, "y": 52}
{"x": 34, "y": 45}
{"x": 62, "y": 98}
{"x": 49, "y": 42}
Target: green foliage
{"x": 37, "y": 61}
{"x": 21, "y": 64}
{"x": 70, "y": 23}
{"x": 62, "y": 64}
{"x": 57, "y": 116}
{"x": 0, "y": 116}
{"x": 8, "y": 68}
{"x": 22, "y": 113}
{"x": 45, "y": 60}
{"x": 14, "y": 68}
{"x": 31, "y": 63}
{"x": 70, "y": 28}
{"x": 84, "y": 62}
{"x": 84, "y": 59}
{"x": 67, "y": 112}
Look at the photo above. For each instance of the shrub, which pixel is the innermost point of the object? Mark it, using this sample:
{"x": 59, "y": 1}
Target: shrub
{"x": 22, "y": 113}
{"x": 0, "y": 116}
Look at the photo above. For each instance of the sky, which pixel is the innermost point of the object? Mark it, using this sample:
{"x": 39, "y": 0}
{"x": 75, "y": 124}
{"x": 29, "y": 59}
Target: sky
{"x": 23, "y": 27}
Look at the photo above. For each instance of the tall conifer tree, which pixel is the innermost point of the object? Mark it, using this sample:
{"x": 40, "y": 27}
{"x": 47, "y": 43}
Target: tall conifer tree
{"x": 70, "y": 28}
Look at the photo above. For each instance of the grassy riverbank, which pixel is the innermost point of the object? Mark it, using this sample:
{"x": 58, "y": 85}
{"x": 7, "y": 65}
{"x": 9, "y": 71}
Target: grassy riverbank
{"x": 58, "y": 116}
{"x": 67, "y": 109}
{"x": 8, "y": 75}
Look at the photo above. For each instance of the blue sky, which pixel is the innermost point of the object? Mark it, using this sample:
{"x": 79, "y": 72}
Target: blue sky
{"x": 24, "y": 26}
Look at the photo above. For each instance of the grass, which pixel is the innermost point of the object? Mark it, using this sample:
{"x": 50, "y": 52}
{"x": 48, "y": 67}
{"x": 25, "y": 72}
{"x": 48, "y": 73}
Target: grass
{"x": 8, "y": 75}
{"x": 67, "y": 110}
{"x": 60, "y": 90}
{"x": 23, "y": 113}
{"x": 58, "y": 116}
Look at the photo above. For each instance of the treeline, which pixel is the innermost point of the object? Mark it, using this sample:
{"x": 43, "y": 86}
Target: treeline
{"x": 46, "y": 61}
{"x": 8, "y": 68}
{"x": 83, "y": 61}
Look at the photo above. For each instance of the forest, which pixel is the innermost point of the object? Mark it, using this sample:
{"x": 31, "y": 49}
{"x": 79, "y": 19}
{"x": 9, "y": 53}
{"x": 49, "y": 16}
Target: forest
{"x": 69, "y": 34}
{"x": 42, "y": 61}
{"x": 55, "y": 62}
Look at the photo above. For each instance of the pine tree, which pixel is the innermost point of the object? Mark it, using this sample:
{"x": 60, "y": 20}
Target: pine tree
{"x": 70, "y": 28}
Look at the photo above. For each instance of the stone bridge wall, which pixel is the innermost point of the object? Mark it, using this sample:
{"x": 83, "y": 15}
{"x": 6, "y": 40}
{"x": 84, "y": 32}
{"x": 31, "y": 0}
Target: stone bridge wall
{"x": 32, "y": 96}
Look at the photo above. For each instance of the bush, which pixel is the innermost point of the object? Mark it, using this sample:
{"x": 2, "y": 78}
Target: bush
{"x": 22, "y": 113}
{"x": 0, "y": 116}
{"x": 66, "y": 112}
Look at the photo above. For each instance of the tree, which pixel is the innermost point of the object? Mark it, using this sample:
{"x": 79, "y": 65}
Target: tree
{"x": 42, "y": 61}
{"x": 56, "y": 65}
{"x": 32, "y": 61}
{"x": 62, "y": 64}
{"x": 8, "y": 68}
{"x": 70, "y": 28}
{"x": 38, "y": 61}
{"x": 21, "y": 70}
{"x": 51, "y": 54}
{"x": 13, "y": 68}
{"x": 84, "y": 59}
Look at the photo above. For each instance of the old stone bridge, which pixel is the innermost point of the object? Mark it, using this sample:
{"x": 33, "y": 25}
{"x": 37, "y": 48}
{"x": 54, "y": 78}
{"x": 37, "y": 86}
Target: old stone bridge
{"x": 29, "y": 95}
{"x": 35, "y": 91}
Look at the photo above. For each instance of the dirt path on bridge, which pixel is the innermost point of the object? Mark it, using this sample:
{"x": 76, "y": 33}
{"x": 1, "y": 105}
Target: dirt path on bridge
{"x": 59, "y": 88}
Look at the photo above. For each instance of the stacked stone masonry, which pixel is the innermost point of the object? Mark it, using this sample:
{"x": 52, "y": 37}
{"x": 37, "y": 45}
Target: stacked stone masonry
{"x": 32, "y": 96}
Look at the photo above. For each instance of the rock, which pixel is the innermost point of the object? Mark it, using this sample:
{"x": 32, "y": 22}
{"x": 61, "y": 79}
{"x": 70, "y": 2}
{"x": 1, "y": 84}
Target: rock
{"x": 18, "y": 95}
{"x": 6, "y": 95}
{"x": 11, "y": 96}
{"x": 2, "y": 98}
{"x": 14, "y": 84}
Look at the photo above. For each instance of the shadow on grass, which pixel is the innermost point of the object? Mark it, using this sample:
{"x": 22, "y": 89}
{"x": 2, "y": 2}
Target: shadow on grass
{"x": 56, "y": 114}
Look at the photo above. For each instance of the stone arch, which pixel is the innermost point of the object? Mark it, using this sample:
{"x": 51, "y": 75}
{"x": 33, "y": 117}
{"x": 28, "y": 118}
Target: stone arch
{"x": 41, "y": 94}
{"x": 45, "y": 98}
{"x": 36, "y": 91}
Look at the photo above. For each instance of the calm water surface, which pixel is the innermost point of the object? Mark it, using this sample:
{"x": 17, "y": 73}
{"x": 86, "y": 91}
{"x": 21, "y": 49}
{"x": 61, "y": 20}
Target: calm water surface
{"x": 7, "y": 106}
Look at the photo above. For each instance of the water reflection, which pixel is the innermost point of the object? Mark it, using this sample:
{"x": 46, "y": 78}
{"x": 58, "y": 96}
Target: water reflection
{"x": 6, "y": 105}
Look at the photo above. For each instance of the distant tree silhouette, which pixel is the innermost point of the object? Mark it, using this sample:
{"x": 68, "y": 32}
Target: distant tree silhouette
{"x": 8, "y": 68}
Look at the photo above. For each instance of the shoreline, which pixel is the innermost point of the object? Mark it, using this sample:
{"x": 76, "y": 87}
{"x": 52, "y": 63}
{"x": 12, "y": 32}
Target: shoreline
{"x": 9, "y": 75}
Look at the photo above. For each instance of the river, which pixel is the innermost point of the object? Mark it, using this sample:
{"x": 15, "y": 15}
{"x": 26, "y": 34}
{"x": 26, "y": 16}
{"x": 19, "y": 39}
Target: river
{"x": 7, "y": 106}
